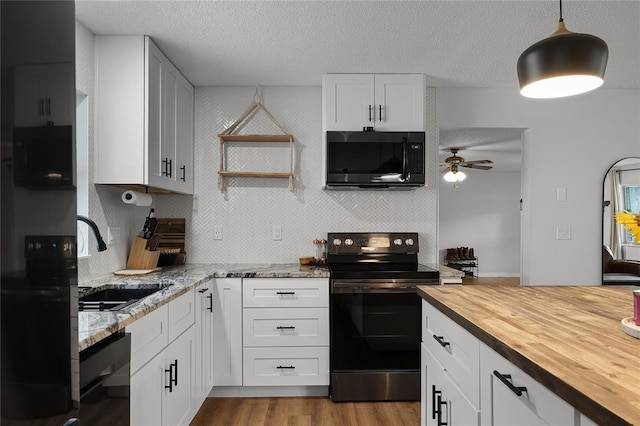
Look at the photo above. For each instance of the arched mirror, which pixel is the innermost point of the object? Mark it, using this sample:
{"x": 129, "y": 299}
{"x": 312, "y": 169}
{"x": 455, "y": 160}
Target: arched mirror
{"x": 620, "y": 253}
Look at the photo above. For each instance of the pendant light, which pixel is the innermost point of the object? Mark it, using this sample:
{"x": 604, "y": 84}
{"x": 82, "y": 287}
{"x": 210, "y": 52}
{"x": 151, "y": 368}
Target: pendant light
{"x": 563, "y": 64}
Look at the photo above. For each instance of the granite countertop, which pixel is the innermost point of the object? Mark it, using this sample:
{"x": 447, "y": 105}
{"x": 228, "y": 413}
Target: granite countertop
{"x": 570, "y": 339}
{"x": 95, "y": 326}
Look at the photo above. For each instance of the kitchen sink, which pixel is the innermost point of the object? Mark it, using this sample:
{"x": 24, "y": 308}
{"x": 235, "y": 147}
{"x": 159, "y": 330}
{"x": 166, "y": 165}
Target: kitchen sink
{"x": 113, "y": 298}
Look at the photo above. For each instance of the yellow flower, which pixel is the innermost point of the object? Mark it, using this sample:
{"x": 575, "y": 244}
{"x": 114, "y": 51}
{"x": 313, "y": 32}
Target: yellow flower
{"x": 631, "y": 222}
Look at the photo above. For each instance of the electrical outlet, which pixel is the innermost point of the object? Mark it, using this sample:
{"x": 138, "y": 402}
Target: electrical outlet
{"x": 217, "y": 232}
{"x": 276, "y": 233}
{"x": 563, "y": 232}
{"x": 113, "y": 235}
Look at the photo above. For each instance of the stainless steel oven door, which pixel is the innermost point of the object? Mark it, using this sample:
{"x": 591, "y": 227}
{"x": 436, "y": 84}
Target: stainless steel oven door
{"x": 375, "y": 340}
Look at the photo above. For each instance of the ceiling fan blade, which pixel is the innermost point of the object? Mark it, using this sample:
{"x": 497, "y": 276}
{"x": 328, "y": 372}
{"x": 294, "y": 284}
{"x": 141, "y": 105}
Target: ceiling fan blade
{"x": 447, "y": 169}
{"x": 479, "y": 162}
{"x": 476, "y": 166}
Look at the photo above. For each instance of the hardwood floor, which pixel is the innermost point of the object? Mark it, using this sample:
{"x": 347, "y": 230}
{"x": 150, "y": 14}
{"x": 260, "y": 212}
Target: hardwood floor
{"x": 508, "y": 281}
{"x": 307, "y": 411}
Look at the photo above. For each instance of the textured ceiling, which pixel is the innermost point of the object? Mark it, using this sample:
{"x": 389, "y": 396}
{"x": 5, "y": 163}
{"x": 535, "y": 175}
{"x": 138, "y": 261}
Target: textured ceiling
{"x": 473, "y": 43}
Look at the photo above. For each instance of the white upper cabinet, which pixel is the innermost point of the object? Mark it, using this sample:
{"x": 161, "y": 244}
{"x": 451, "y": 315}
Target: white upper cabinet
{"x": 44, "y": 95}
{"x": 386, "y": 102}
{"x": 144, "y": 117}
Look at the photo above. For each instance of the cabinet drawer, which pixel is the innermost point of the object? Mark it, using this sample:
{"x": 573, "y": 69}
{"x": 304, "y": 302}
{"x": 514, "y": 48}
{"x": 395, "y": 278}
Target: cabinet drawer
{"x": 286, "y": 327}
{"x": 455, "y": 348}
{"x": 537, "y": 406}
{"x": 285, "y": 292}
{"x": 182, "y": 314}
{"x": 286, "y": 366}
{"x": 149, "y": 335}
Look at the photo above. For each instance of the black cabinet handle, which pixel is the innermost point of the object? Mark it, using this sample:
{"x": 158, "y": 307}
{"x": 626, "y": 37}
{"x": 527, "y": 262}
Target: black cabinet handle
{"x": 284, "y": 293}
{"x": 440, "y": 402}
{"x": 173, "y": 376}
{"x": 435, "y": 409}
{"x": 170, "y": 168}
{"x": 165, "y": 165}
{"x": 203, "y": 290}
{"x": 369, "y": 113}
{"x": 184, "y": 173}
{"x": 380, "y": 115}
{"x": 282, "y": 367}
{"x": 440, "y": 339}
{"x": 288, "y": 327}
{"x": 210, "y": 297}
{"x": 506, "y": 379}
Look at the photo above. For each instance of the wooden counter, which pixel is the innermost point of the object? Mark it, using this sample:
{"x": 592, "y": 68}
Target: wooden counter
{"x": 568, "y": 338}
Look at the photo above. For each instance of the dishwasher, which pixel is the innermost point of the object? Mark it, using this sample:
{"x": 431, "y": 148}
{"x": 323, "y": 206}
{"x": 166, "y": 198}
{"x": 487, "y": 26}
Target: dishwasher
{"x": 105, "y": 382}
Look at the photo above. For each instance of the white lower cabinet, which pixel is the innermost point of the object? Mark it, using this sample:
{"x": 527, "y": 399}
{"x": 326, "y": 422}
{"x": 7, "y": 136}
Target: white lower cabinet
{"x": 163, "y": 365}
{"x": 204, "y": 341}
{"x": 443, "y": 403}
{"x": 283, "y": 366}
{"x": 227, "y": 332}
{"x": 514, "y": 398}
{"x": 465, "y": 382}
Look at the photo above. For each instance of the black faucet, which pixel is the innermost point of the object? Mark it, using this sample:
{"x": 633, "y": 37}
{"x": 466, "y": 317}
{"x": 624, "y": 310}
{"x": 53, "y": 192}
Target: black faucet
{"x": 101, "y": 244}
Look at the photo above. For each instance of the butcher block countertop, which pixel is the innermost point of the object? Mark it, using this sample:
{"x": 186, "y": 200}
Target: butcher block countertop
{"x": 568, "y": 338}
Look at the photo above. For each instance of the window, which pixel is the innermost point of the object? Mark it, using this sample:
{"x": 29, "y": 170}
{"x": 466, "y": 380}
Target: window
{"x": 632, "y": 205}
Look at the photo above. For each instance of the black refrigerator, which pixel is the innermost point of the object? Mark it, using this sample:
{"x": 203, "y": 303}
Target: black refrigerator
{"x": 39, "y": 382}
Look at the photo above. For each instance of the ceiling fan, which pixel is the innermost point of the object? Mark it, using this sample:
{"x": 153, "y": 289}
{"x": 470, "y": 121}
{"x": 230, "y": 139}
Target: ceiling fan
{"x": 454, "y": 162}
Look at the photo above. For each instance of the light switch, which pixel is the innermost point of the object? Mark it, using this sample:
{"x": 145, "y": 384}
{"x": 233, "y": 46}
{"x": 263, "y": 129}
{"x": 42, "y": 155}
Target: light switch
{"x": 561, "y": 194}
{"x": 276, "y": 233}
{"x": 113, "y": 235}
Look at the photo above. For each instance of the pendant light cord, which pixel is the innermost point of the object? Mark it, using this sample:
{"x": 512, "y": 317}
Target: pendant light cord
{"x": 561, "y": 20}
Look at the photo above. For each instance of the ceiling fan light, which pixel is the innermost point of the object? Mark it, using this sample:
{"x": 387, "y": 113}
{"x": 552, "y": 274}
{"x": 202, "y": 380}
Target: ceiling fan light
{"x": 454, "y": 177}
{"x": 460, "y": 176}
{"x": 564, "y": 64}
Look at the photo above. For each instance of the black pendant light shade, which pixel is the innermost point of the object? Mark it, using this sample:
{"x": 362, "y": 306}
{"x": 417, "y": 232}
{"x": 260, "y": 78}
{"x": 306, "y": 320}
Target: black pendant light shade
{"x": 564, "y": 64}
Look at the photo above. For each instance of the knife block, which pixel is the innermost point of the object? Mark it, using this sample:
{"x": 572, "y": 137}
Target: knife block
{"x": 140, "y": 257}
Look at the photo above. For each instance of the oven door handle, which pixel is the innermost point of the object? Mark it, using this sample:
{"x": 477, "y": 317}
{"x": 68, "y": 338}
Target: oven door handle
{"x": 342, "y": 287}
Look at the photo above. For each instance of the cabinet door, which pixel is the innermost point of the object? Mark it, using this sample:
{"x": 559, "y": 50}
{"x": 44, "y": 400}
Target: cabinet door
{"x": 227, "y": 332}
{"x": 44, "y": 94}
{"x": 184, "y": 137}
{"x": 146, "y": 394}
{"x": 204, "y": 341}
{"x": 348, "y": 101}
{"x": 60, "y": 105}
{"x": 154, "y": 64}
{"x": 179, "y": 360}
{"x": 442, "y": 402}
{"x": 399, "y": 102}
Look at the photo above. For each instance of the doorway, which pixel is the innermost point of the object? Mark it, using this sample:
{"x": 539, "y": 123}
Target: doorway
{"x": 483, "y": 211}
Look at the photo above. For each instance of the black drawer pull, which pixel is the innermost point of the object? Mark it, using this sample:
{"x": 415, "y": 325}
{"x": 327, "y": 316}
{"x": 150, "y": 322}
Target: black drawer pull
{"x": 184, "y": 173}
{"x": 283, "y": 367}
{"x": 369, "y": 113}
{"x": 284, "y": 293}
{"x": 440, "y": 339}
{"x": 203, "y": 290}
{"x": 506, "y": 379}
{"x": 173, "y": 376}
{"x": 380, "y": 118}
{"x": 287, "y": 327}
{"x": 210, "y": 297}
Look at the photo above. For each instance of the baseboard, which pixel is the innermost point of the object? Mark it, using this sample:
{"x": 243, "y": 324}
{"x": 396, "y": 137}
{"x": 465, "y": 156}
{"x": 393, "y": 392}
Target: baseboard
{"x": 267, "y": 391}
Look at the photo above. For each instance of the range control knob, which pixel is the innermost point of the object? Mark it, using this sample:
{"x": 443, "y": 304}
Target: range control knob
{"x": 397, "y": 241}
{"x": 348, "y": 242}
{"x": 337, "y": 242}
{"x": 409, "y": 241}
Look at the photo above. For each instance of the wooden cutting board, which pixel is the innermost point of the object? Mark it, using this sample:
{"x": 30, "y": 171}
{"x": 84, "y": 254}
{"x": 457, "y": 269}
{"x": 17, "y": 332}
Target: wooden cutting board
{"x": 173, "y": 238}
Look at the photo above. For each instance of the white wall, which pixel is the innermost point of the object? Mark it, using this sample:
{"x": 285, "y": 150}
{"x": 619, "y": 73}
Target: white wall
{"x": 249, "y": 207}
{"x": 483, "y": 213}
{"x": 570, "y": 143}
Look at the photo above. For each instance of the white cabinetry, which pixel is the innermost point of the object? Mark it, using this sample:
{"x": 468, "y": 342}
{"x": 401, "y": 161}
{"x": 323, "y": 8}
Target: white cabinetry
{"x": 511, "y": 397}
{"x": 227, "y": 332}
{"x": 163, "y": 364}
{"x": 144, "y": 117}
{"x": 204, "y": 341}
{"x": 386, "y": 102}
{"x": 286, "y": 332}
{"x": 44, "y": 95}
{"x": 465, "y": 382}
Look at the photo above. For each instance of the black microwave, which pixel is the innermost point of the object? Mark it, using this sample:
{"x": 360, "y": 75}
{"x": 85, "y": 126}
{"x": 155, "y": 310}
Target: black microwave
{"x": 375, "y": 160}
{"x": 43, "y": 157}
